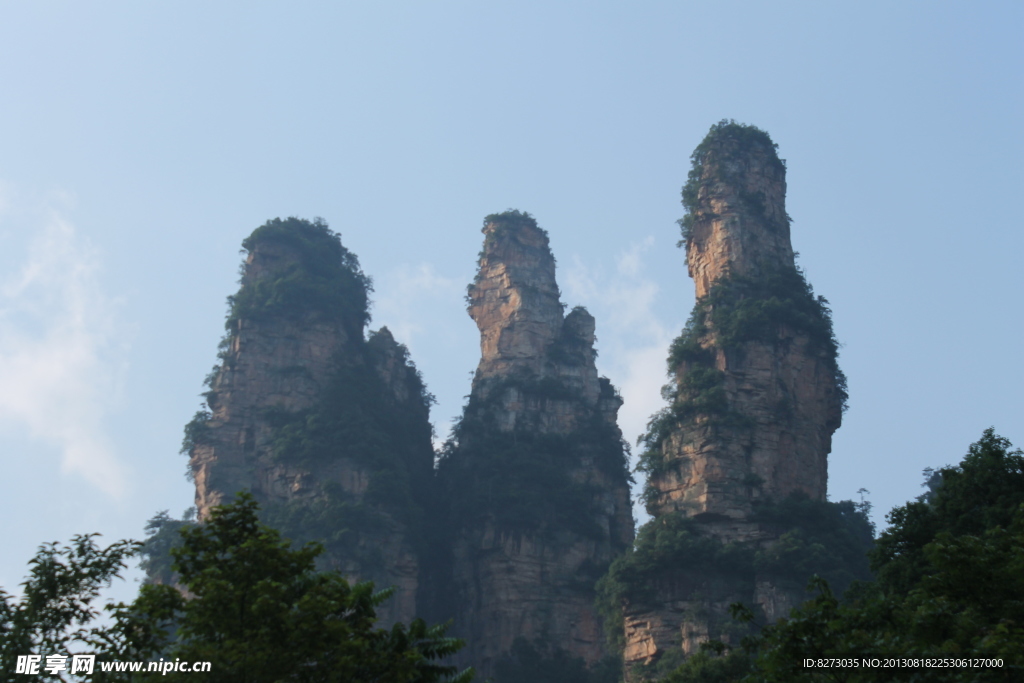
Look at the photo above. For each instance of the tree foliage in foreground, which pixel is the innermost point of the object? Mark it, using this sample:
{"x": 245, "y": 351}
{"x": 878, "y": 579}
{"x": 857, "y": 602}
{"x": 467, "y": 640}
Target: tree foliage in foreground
{"x": 950, "y": 585}
{"x": 252, "y": 606}
{"x": 56, "y": 611}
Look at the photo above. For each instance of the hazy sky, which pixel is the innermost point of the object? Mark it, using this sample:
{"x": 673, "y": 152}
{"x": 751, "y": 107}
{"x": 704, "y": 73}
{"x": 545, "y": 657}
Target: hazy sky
{"x": 141, "y": 142}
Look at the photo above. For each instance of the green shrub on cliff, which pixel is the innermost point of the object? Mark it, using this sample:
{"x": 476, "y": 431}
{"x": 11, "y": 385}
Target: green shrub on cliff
{"x": 816, "y": 538}
{"x": 521, "y": 479}
{"x": 737, "y": 310}
{"x": 744, "y": 309}
{"x": 163, "y": 532}
{"x": 195, "y": 431}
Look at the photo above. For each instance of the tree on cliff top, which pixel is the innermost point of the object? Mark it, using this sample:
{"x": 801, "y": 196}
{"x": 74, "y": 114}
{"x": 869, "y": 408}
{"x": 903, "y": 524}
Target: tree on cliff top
{"x": 324, "y": 278}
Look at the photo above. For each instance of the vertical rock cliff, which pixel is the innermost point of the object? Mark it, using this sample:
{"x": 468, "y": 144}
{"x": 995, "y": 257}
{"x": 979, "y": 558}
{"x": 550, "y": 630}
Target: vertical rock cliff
{"x": 737, "y": 462}
{"x": 329, "y": 430}
{"x": 758, "y": 392}
{"x": 535, "y": 475}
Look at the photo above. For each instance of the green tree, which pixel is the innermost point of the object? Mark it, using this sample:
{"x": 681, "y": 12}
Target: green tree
{"x": 243, "y": 600}
{"x": 57, "y": 608}
{"x": 950, "y": 584}
{"x": 983, "y": 492}
{"x": 259, "y": 611}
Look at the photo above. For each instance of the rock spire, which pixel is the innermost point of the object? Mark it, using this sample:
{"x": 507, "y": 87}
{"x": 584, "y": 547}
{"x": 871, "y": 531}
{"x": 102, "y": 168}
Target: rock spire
{"x": 328, "y": 430}
{"x": 757, "y": 390}
{"x": 535, "y": 473}
{"x": 738, "y": 459}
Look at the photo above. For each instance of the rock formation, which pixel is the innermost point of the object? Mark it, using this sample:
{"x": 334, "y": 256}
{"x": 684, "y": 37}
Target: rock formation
{"x": 527, "y": 518}
{"x": 326, "y": 429}
{"x": 535, "y": 475}
{"x": 755, "y": 397}
{"x": 759, "y": 348}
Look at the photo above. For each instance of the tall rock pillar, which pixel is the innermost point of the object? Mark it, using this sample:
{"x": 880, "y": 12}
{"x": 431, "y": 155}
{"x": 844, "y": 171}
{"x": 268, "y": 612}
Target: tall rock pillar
{"x": 737, "y": 461}
{"x": 535, "y": 476}
{"x": 329, "y": 430}
{"x": 757, "y": 388}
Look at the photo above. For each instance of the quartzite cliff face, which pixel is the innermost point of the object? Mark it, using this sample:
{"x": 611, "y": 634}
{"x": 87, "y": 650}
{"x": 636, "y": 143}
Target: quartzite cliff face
{"x": 755, "y": 397}
{"x": 297, "y": 389}
{"x": 775, "y": 368}
{"x": 536, "y": 475}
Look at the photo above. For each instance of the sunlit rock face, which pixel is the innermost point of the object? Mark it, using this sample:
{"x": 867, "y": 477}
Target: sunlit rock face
{"x": 283, "y": 413}
{"x": 740, "y": 225}
{"x": 782, "y": 404}
{"x": 536, "y": 471}
{"x": 755, "y": 396}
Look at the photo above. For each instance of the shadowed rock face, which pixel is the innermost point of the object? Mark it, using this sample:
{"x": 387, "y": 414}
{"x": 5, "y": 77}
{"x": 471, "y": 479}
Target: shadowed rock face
{"x": 269, "y": 364}
{"x": 536, "y": 471}
{"x": 290, "y": 355}
{"x": 756, "y": 395}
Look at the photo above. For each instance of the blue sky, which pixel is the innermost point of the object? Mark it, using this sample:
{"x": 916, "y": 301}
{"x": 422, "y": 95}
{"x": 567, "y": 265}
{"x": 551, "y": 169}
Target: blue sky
{"x": 141, "y": 142}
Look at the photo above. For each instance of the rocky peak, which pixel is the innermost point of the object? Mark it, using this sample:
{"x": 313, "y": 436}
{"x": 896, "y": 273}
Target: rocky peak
{"x": 514, "y": 299}
{"x": 535, "y": 476}
{"x": 736, "y": 202}
{"x": 757, "y": 392}
{"x": 754, "y": 398}
{"x": 311, "y": 417}
{"x": 391, "y": 361}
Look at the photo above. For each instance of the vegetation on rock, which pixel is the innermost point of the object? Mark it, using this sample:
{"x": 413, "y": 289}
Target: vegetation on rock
{"x": 950, "y": 584}
{"x": 820, "y": 538}
{"x": 736, "y": 311}
{"x": 163, "y": 532}
{"x": 731, "y": 141}
{"x": 521, "y": 480}
{"x": 505, "y": 225}
{"x": 324, "y": 279}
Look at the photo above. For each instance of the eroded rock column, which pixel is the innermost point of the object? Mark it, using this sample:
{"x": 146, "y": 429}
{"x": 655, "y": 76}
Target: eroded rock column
{"x": 328, "y": 429}
{"x": 536, "y": 473}
{"x": 755, "y": 396}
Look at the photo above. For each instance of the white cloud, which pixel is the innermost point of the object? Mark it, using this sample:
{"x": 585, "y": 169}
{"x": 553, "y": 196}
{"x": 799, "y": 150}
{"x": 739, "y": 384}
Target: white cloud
{"x": 632, "y": 339}
{"x": 402, "y": 297}
{"x": 61, "y": 354}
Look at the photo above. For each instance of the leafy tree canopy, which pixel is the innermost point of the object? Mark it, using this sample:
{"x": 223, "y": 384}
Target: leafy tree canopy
{"x": 56, "y": 612}
{"x": 258, "y": 611}
{"x": 983, "y": 492}
{"x": 245, "y": 601}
